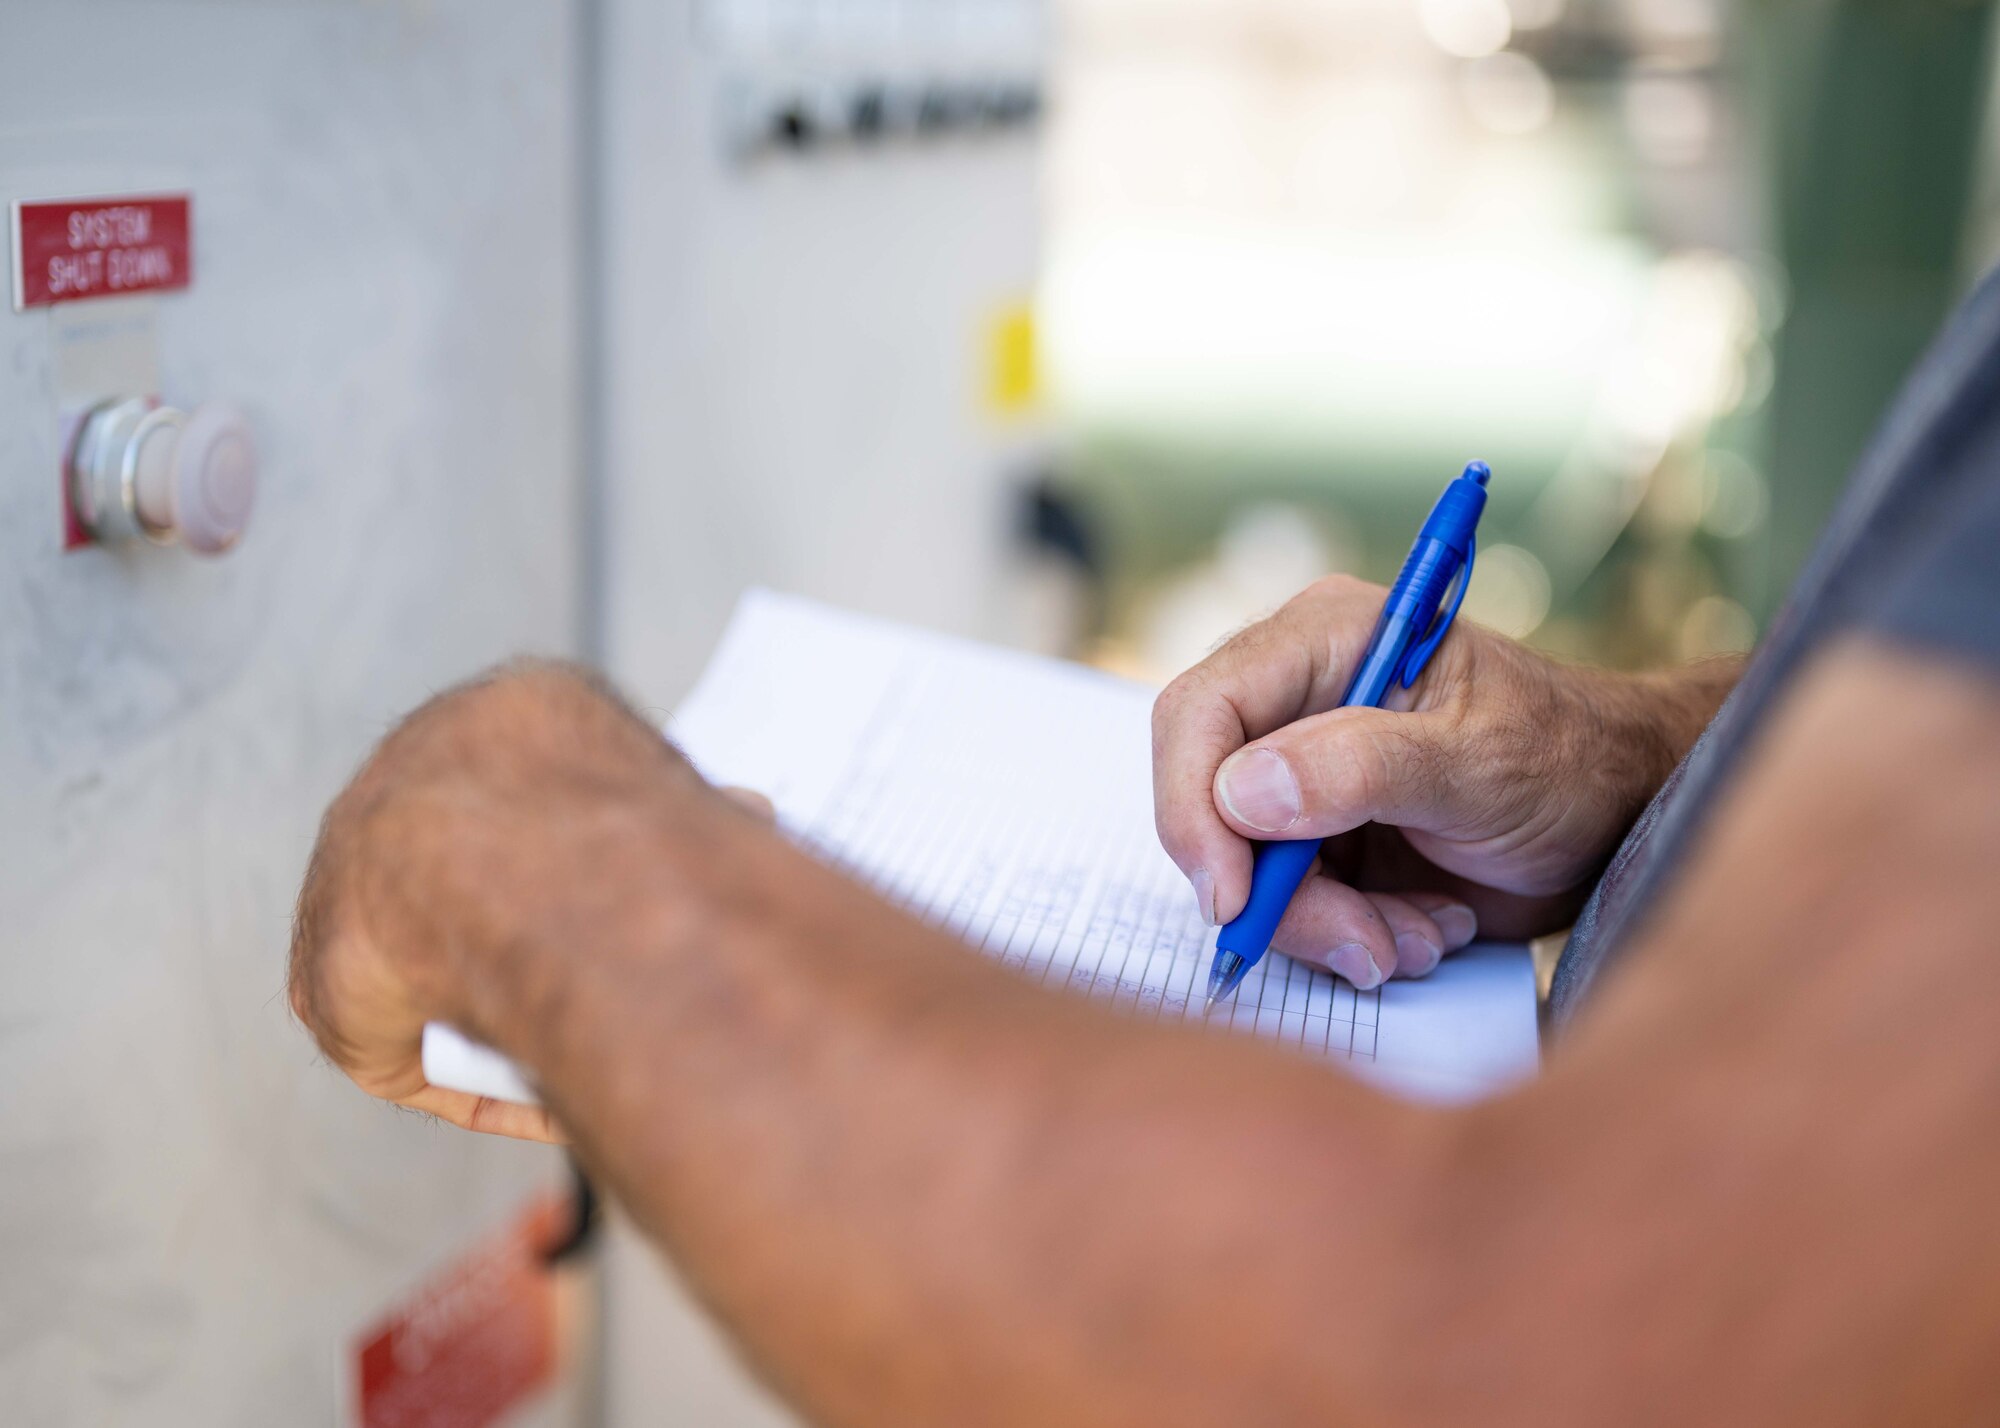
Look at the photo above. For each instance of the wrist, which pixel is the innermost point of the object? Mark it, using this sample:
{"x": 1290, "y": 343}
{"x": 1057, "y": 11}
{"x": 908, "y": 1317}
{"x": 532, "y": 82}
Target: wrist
{"x": 617, "y": 890}
{"x": 1646, "y": 722}
{"x": 1682, "y": 702}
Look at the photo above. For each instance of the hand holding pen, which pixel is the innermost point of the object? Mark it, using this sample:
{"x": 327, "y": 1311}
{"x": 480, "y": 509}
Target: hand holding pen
{"x": 1486, "y": 797}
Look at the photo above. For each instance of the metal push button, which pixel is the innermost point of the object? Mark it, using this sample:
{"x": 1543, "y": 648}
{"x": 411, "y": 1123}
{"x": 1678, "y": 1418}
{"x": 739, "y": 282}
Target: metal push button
{"x": 141, "y": 469}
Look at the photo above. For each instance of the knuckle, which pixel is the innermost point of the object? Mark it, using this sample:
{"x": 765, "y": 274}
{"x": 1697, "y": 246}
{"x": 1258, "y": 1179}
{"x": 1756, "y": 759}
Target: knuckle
{"x": 1338, "y": 594}
{"x": 309, "y": 940}
{"x": 1169, "y": 705}
{"x": 1337, "y": 586}
{"x": 1192, "y": 713}
{"x": 299, "y": 1001}
{"x": 519, "y": 695}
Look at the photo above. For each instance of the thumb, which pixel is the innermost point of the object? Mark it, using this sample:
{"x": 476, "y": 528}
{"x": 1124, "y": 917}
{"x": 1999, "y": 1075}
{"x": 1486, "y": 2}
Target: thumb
{"x": 1334, "y": 772}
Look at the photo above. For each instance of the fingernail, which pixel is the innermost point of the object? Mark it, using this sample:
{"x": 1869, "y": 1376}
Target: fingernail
{"x": 1204, "y": 894}
{"x": 1457, "y": 922}
{"x": 1259, "y": 791}
{"x": 1351, "y": 960}
{"x": 1417, "y": 955}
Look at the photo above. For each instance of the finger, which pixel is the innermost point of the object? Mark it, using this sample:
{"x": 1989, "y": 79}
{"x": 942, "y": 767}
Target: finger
{"x": 751, "y": 801}
{"x": 1458, "y": 923}
{"x": 486, "y": 1115}
{"x": 1291, "y": 664}
{"x": 1331, "y": 925}
{"x": 1333, "y": 772}
{"x": 1419, "y": 939}
{"x": 1194, "y": 730}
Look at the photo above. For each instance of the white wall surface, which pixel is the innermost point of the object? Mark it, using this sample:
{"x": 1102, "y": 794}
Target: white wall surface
{"x": 792, "y": 396}
{"x": 194, "y": 1214}
{"x": 793, "y": 350}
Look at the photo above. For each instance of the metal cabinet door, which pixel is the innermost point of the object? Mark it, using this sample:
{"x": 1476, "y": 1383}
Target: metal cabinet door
{"x": 195, "y": 1216}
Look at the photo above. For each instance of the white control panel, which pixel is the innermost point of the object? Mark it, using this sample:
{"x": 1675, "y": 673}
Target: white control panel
{"x": 809, "y": 74}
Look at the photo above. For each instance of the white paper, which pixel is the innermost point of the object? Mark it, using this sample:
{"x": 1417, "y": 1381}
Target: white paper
{"x": 458, "y": 1063}
{"x": 1008, "y": 800}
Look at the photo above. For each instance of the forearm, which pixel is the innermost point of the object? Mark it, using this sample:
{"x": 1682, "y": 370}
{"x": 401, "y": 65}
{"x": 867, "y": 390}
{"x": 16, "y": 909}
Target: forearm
{"x": 924, "y": 1191}
{"x": 1751, "y": 1189}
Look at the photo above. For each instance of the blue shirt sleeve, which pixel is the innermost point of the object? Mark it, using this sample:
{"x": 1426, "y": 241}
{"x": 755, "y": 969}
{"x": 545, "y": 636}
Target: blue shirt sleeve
{"x": 1941, "y": 591}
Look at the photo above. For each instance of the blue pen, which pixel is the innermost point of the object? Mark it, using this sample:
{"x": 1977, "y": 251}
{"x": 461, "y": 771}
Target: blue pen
{"x": 1405, "y": 638}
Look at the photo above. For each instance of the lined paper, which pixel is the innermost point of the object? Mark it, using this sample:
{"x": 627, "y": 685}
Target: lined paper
{"x": 1007, "y": 800}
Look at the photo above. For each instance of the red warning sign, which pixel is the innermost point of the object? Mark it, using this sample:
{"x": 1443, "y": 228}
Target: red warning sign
{"x": 474, "y": 1342}
{"x": 101, "y": 247}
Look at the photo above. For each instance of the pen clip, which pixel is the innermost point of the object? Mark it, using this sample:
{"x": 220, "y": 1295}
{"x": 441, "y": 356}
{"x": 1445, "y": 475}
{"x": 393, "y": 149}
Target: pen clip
{"x": 1420, "y": 653}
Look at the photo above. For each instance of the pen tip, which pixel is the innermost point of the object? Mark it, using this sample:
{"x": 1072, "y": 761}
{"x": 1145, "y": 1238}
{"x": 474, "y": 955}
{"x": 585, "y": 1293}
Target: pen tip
{"x": 1479, "y": 471}
{"x": 1223, "y": 978}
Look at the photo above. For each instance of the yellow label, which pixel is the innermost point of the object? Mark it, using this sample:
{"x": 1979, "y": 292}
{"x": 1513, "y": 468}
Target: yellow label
{"x": 1013, "y": 384}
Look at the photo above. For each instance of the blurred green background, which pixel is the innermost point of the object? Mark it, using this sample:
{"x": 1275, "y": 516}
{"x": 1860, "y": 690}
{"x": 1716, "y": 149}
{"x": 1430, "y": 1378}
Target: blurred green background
{"x": 1662, "y": 263}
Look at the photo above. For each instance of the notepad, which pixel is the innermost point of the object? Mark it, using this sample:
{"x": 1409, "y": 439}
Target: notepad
{"x": 1007, "y": 800}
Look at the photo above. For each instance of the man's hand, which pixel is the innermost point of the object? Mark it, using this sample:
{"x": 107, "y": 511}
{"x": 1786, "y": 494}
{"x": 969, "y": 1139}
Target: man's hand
{"x": 507, "y": 810}
{"x": 1489, "y": 796}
